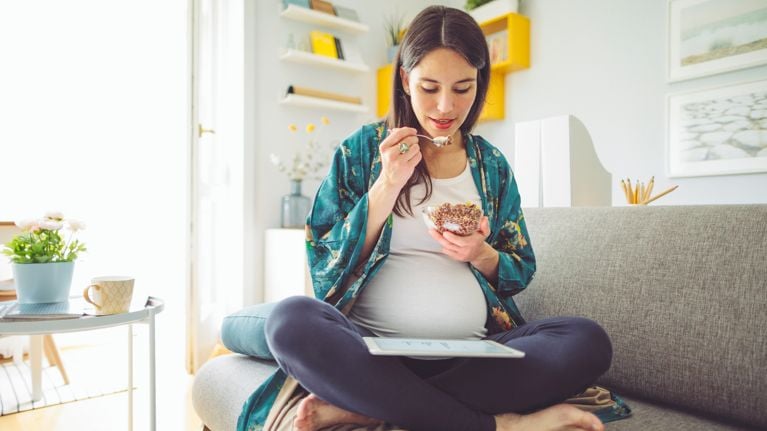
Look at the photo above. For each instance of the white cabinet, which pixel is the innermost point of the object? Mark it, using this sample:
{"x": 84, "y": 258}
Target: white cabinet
{"x": 285, "y": 267}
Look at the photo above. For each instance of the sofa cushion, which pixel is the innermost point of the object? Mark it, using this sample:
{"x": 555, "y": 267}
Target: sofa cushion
{"x": 681, "y": 291}
{"x": 222, "y": 386}
{"x": 652, "y": 417}
{"x": 243, "y": 331}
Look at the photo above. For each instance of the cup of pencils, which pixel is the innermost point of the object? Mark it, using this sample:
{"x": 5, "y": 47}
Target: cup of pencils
{"x": 641, "y": 194}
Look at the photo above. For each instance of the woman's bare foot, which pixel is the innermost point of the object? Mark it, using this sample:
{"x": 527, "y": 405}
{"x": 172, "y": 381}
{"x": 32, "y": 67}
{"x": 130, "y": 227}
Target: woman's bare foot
{"x": 314, "y": 414}
{"x": 561, "y": 417}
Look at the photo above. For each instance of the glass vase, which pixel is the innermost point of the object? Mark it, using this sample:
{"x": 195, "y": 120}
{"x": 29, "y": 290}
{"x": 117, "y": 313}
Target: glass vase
{"x": 295, "y": 207}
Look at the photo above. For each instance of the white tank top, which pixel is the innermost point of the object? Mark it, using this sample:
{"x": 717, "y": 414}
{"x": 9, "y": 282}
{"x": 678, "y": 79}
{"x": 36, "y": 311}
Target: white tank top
{"x": 419, "y": 291}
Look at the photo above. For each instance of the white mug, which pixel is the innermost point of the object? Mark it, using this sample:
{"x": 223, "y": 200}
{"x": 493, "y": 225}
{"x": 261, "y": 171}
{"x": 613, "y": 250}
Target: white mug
{"x": 110, "y": 294}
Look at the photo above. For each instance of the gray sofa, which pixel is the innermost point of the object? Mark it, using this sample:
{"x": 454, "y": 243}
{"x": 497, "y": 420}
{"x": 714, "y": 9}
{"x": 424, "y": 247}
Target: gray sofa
{"x": 682, "y": 291}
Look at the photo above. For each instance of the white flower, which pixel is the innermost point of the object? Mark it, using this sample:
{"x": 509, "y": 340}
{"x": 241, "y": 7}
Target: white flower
{"x": 50, "y": 224}
{"x": 75, "y": 225}
{"x": 26, "y": 225}
{"x": 54, "y": 215}
{"x": 274, "y": 159}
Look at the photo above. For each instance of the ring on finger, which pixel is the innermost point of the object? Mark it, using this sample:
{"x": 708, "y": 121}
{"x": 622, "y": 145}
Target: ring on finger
{"x": 403, "y": 148}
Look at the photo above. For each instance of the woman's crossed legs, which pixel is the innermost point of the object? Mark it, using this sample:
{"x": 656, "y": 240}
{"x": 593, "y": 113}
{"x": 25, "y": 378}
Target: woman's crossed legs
{"x": 324, "y": 351}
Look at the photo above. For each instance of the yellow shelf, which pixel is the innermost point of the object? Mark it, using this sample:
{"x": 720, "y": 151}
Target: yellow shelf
{"x": 383, "y": 101}
{"x": 515, "y": 57}
{"x": 517, "y": 41}
{"x": 495, "y": 105}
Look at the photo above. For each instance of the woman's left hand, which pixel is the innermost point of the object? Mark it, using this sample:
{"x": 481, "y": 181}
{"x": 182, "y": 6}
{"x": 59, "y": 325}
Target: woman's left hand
{"x": 470, "y": 248}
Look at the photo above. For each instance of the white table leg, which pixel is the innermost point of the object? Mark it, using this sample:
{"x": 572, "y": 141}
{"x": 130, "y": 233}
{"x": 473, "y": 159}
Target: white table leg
{"x": 130, "y": 377}
{"x": 152, "y": 401}
{"x": 36, "y": 361}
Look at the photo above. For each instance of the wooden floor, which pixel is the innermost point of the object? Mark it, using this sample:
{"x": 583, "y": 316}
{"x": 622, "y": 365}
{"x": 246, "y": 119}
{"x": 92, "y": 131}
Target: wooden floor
{"x": 174, "y": 407}
{"x": 93, "y": 415}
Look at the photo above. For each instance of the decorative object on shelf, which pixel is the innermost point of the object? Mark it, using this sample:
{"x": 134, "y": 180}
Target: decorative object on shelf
{"x": 718, "y": 131}
{"x": 346, "y": 13}
{"x": 395, "y": 31}
{"x": 641, "y": 193}
{"x": 306, "y": 163}
{"x": 324, "y": 44}
{"x": 713, "y": 36}
{"x": 498, "y": 45}
{"x": 295, "y": 207}
{"x": 310, "y": 92}
{"x": 43, "y": 261}
{"x": 485, "y": 10}
{"x": 323, "y": 6}
{"x": 300, "y": 3}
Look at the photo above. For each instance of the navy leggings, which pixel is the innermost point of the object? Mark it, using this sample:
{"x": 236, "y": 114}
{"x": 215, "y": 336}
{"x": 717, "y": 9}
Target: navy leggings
{"x": 324, "y": 351}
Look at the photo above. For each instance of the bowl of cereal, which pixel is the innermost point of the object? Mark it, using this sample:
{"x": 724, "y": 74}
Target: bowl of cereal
{"x": 460, "y": 219}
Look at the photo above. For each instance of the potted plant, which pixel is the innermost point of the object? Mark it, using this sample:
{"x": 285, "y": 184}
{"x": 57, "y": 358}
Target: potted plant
{"x": 395, "y": 31}
{"x": 306, "y": 163}
{"x": 485, "y": 10}
{"x": 43, "y": 261}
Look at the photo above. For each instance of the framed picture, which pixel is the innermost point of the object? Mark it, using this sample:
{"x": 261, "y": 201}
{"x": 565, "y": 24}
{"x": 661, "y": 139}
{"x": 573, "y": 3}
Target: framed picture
{"x": 713, "y": 36}
{"x": 719, "y": 131}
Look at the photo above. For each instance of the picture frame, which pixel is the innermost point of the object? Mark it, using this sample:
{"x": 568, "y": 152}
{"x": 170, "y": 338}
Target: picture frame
{"x": 706, "y": 37}
{"x": 717, "y": 131}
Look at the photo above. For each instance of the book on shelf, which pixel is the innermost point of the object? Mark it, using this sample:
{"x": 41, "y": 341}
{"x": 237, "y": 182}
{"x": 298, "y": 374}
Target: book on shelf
{"x": 339, "y": 49}
{"x": 323, "y": 44}
{"x": 310, "y": 92}
{"x": 323, "y": 6}
{"x": 346, "y": 13}
{"x": 72, "y": 309}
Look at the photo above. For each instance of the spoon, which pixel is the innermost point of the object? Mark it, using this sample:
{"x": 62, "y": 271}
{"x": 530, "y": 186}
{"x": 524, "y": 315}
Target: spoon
{"x": 438, "y": 141}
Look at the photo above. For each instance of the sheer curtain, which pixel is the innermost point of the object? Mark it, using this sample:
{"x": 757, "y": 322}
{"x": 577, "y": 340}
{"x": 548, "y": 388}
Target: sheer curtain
{"x": 93, "y": 123}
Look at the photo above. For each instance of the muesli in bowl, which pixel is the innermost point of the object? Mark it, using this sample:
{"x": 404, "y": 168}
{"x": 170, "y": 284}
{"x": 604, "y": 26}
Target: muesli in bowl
{"x": 460, "y": 219}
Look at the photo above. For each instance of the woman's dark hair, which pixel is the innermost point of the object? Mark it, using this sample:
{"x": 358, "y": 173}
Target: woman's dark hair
{"x": 436, "y": 27}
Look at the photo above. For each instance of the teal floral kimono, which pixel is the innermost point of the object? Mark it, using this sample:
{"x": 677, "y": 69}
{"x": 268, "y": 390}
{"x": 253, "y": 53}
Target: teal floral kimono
{"x": 335, "y": 234}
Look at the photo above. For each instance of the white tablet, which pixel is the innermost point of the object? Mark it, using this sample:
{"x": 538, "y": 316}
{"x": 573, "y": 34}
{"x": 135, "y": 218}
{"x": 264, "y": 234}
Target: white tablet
{"x": 389, "y": 346}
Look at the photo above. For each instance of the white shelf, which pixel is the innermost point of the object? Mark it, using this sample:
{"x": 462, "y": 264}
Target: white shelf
{"x": 303, "y": 14}
{"x": 315, "y": 102}
{"x": 304, "y": 57}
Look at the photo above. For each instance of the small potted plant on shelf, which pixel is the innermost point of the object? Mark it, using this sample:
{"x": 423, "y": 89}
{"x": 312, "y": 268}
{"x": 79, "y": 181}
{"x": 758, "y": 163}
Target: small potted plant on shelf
{"x": 395, "y": 31}
{"x": 43, "y": 260}
{"x": 485, "y": 10}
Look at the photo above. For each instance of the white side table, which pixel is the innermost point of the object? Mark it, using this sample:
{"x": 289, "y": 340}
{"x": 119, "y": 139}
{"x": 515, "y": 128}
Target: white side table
{"x": 40, "y": 327}
{"x": 285, "y": 269}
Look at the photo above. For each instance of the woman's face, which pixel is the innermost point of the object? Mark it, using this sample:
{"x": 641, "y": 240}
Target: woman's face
{"x": 442, "y": 89}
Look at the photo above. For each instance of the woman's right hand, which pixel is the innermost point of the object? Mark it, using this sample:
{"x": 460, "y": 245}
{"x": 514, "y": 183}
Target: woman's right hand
{"x": 398, "y": 166}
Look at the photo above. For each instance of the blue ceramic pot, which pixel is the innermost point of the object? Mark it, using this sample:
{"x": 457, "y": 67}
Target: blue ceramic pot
{"x": 43, "y": 282}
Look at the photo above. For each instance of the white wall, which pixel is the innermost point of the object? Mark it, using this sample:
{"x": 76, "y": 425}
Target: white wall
{"x": 603, "y": 61}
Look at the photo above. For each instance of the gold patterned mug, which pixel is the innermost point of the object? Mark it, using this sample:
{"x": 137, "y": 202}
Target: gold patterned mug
{"x": 110, "y": 294}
